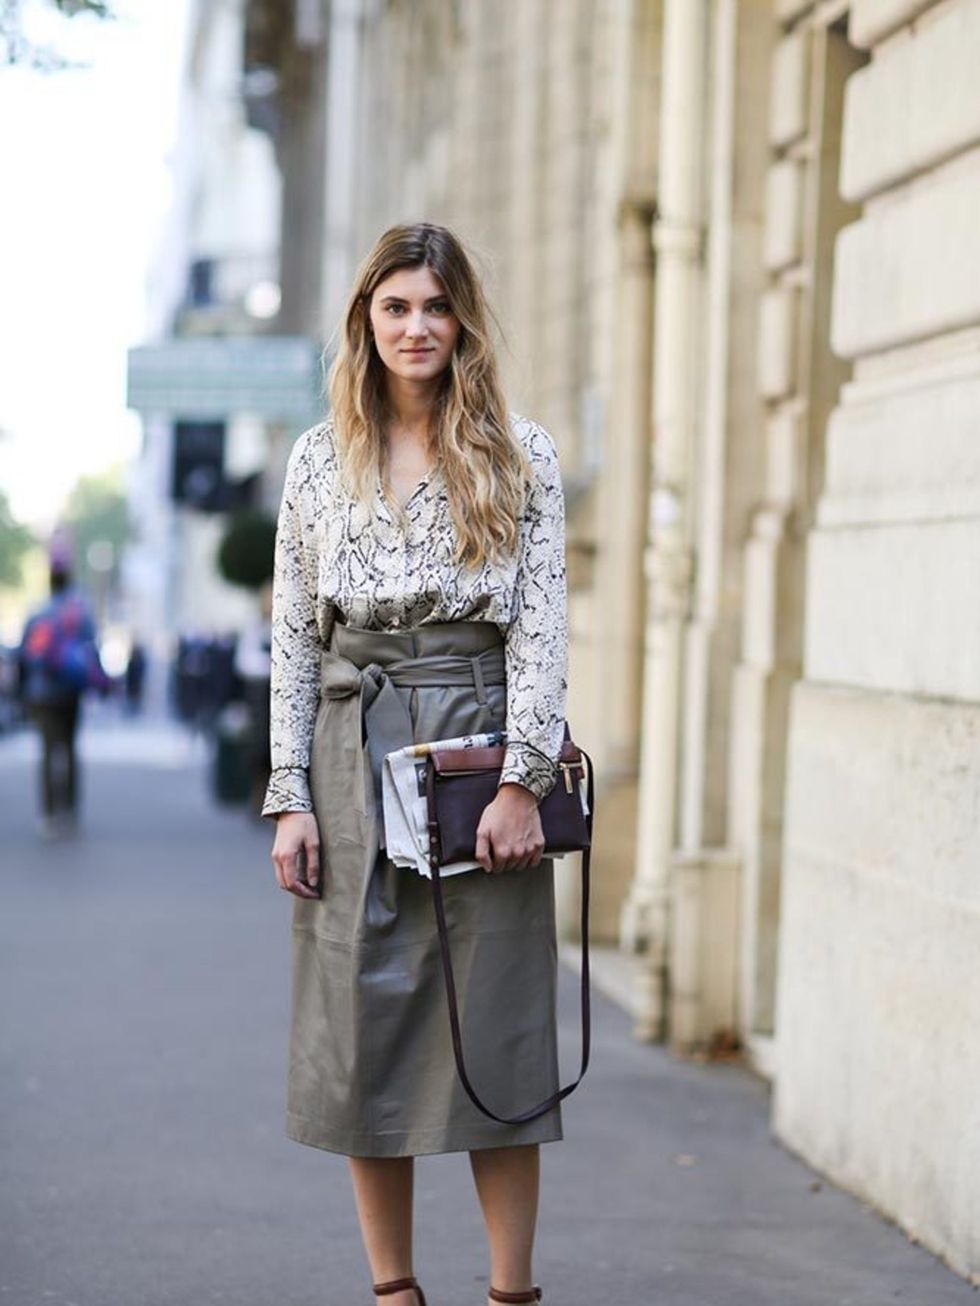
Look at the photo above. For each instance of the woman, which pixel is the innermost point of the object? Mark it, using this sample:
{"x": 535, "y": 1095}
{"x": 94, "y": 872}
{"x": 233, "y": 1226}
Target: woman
{"x": 419, "y": 593}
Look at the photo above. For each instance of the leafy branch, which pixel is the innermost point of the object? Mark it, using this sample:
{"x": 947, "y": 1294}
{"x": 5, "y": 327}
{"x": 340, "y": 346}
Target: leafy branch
{"x": 15, "y": 541}
{"x": 16, "y": 48}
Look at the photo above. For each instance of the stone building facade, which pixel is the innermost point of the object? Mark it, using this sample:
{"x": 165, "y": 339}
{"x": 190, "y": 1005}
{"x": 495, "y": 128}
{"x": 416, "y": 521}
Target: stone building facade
{"x": 878, "y": 1059}
{"x": 731, "y": 245}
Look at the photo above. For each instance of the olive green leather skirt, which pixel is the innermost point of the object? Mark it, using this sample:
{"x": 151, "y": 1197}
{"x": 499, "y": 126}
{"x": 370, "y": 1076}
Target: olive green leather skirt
{"x": 371, "y": 1070}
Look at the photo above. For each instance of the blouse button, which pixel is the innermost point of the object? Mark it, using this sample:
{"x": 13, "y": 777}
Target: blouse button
{"x": 396, "y": 621}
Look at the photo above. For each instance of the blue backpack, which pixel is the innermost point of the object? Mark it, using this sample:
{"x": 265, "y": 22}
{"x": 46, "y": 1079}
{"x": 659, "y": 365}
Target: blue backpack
{"x": 58, "y": 647}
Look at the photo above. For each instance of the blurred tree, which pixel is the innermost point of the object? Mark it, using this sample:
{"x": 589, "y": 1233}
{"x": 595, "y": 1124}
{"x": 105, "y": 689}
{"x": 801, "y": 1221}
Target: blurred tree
{"x": 73, "y": 7}
{"x": 15, "y": 541}
{"x": 16, "y": 48}
{"x": 97, "y": 519}
{"x": 247, "y": 549}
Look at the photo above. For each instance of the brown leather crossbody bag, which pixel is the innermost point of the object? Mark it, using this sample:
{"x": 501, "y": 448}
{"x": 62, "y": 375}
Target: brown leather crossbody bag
{"x": 459, "y": 784}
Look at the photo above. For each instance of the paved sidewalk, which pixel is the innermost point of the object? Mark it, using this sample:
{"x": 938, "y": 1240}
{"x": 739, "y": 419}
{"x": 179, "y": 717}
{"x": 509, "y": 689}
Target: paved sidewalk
{"x": 143, "y": 982}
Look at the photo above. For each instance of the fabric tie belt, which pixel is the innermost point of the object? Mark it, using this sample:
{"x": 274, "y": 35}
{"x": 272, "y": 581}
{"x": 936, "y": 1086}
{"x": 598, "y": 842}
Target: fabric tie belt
{"x": 378, "y": 713}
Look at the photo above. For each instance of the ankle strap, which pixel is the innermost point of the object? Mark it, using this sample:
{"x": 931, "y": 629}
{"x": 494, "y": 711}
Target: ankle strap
{"x": 496, "y": 1295}
{"x": 394, "y": 1285}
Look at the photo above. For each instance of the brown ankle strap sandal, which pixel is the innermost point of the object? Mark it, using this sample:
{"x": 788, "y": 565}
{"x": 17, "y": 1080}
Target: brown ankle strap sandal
{"x": 401, "y": 1285}
{"x": 533, "y": 1295}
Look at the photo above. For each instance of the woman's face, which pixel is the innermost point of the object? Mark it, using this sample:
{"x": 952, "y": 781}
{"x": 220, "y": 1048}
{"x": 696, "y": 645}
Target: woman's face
{"x": 415, "y": 330}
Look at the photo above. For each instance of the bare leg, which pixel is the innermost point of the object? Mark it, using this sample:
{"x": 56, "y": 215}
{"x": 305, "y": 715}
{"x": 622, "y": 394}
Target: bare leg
{"x": 383, "y": 1188}
{"x": 507, "y": 1182}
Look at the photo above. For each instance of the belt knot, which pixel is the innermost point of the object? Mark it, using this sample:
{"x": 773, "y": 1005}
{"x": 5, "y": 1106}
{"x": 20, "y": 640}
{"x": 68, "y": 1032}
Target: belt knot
{"x": 344, "y": 679}
{"x": 381, "y": 719}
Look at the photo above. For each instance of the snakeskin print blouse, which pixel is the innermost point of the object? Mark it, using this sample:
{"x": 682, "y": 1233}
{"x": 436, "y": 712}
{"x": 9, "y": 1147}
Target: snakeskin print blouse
{"x": 332, "y": 558}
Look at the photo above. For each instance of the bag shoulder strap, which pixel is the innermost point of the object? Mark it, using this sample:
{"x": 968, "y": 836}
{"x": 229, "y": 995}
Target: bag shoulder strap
{"x": 447, "y": 966}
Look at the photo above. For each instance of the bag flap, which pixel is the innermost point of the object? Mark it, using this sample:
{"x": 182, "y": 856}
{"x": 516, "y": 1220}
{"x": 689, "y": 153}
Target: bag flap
{"x": 488, "y": 759}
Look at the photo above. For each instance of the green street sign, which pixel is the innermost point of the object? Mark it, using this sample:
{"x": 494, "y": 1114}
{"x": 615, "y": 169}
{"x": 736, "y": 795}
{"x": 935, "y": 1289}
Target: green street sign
{"x": 214, "y": 377}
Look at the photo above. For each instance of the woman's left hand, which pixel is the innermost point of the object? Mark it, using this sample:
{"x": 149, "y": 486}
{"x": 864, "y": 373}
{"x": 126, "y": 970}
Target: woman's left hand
{"x": 509, "y": 836}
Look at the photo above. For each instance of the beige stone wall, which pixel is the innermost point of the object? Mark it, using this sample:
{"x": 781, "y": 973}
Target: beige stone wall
{"x": 481, "y": 116}
{"x": 798, "y": 379}
{"x": 878, "y": 1058}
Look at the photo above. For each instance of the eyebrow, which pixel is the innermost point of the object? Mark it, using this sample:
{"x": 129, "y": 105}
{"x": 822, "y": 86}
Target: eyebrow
{"x": 399, "y": 299}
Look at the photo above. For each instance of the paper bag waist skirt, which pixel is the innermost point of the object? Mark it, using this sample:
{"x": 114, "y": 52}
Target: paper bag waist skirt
{"x": 371, "y": 1070}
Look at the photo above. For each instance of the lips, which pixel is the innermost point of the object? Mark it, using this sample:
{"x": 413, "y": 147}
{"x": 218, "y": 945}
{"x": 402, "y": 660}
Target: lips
{"x": 418, "y": 351}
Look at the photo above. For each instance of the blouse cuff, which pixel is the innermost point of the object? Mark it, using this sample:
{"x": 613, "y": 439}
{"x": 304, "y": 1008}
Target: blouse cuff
{"x": 528, "y": 766}
{"x": 288, "y": 791}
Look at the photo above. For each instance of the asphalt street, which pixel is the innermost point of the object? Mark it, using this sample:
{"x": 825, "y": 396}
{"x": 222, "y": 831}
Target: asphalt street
{"x": 144, "y": 983}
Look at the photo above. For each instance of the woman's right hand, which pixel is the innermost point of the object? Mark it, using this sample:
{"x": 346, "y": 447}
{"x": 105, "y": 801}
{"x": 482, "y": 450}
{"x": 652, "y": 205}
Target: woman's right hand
{"x": 297, "y": 834}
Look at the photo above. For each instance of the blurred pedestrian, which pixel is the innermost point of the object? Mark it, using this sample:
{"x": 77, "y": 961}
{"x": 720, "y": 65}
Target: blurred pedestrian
{"x": 253, "y": 665}
{"x": 193, "y": 680}
{"x": 58, "y": 660}
{"x": 419, "y": 589}
{"x": 135, "y": 678}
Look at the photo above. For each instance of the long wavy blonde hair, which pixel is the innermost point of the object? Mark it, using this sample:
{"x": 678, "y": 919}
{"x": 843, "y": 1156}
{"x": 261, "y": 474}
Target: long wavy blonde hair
{"x": 485, "y": 467}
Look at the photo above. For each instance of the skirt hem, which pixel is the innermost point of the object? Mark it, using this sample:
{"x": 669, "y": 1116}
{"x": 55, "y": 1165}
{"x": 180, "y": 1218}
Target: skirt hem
{"x": 421, "y": 1142}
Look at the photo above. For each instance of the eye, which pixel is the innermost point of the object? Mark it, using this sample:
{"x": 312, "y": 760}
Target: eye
{"x": 440, "y": 306}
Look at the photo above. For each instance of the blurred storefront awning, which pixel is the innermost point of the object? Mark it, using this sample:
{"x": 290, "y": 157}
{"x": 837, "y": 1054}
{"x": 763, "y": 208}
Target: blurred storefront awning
{"x": 198, "y": 378}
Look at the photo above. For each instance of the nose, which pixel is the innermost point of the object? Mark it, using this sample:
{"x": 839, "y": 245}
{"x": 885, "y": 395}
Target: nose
{"x": 416, "y": 324}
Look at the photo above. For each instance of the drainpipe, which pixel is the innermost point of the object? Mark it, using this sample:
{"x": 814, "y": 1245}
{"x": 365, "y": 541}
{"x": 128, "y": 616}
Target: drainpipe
{"x": 668, "y": 561}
